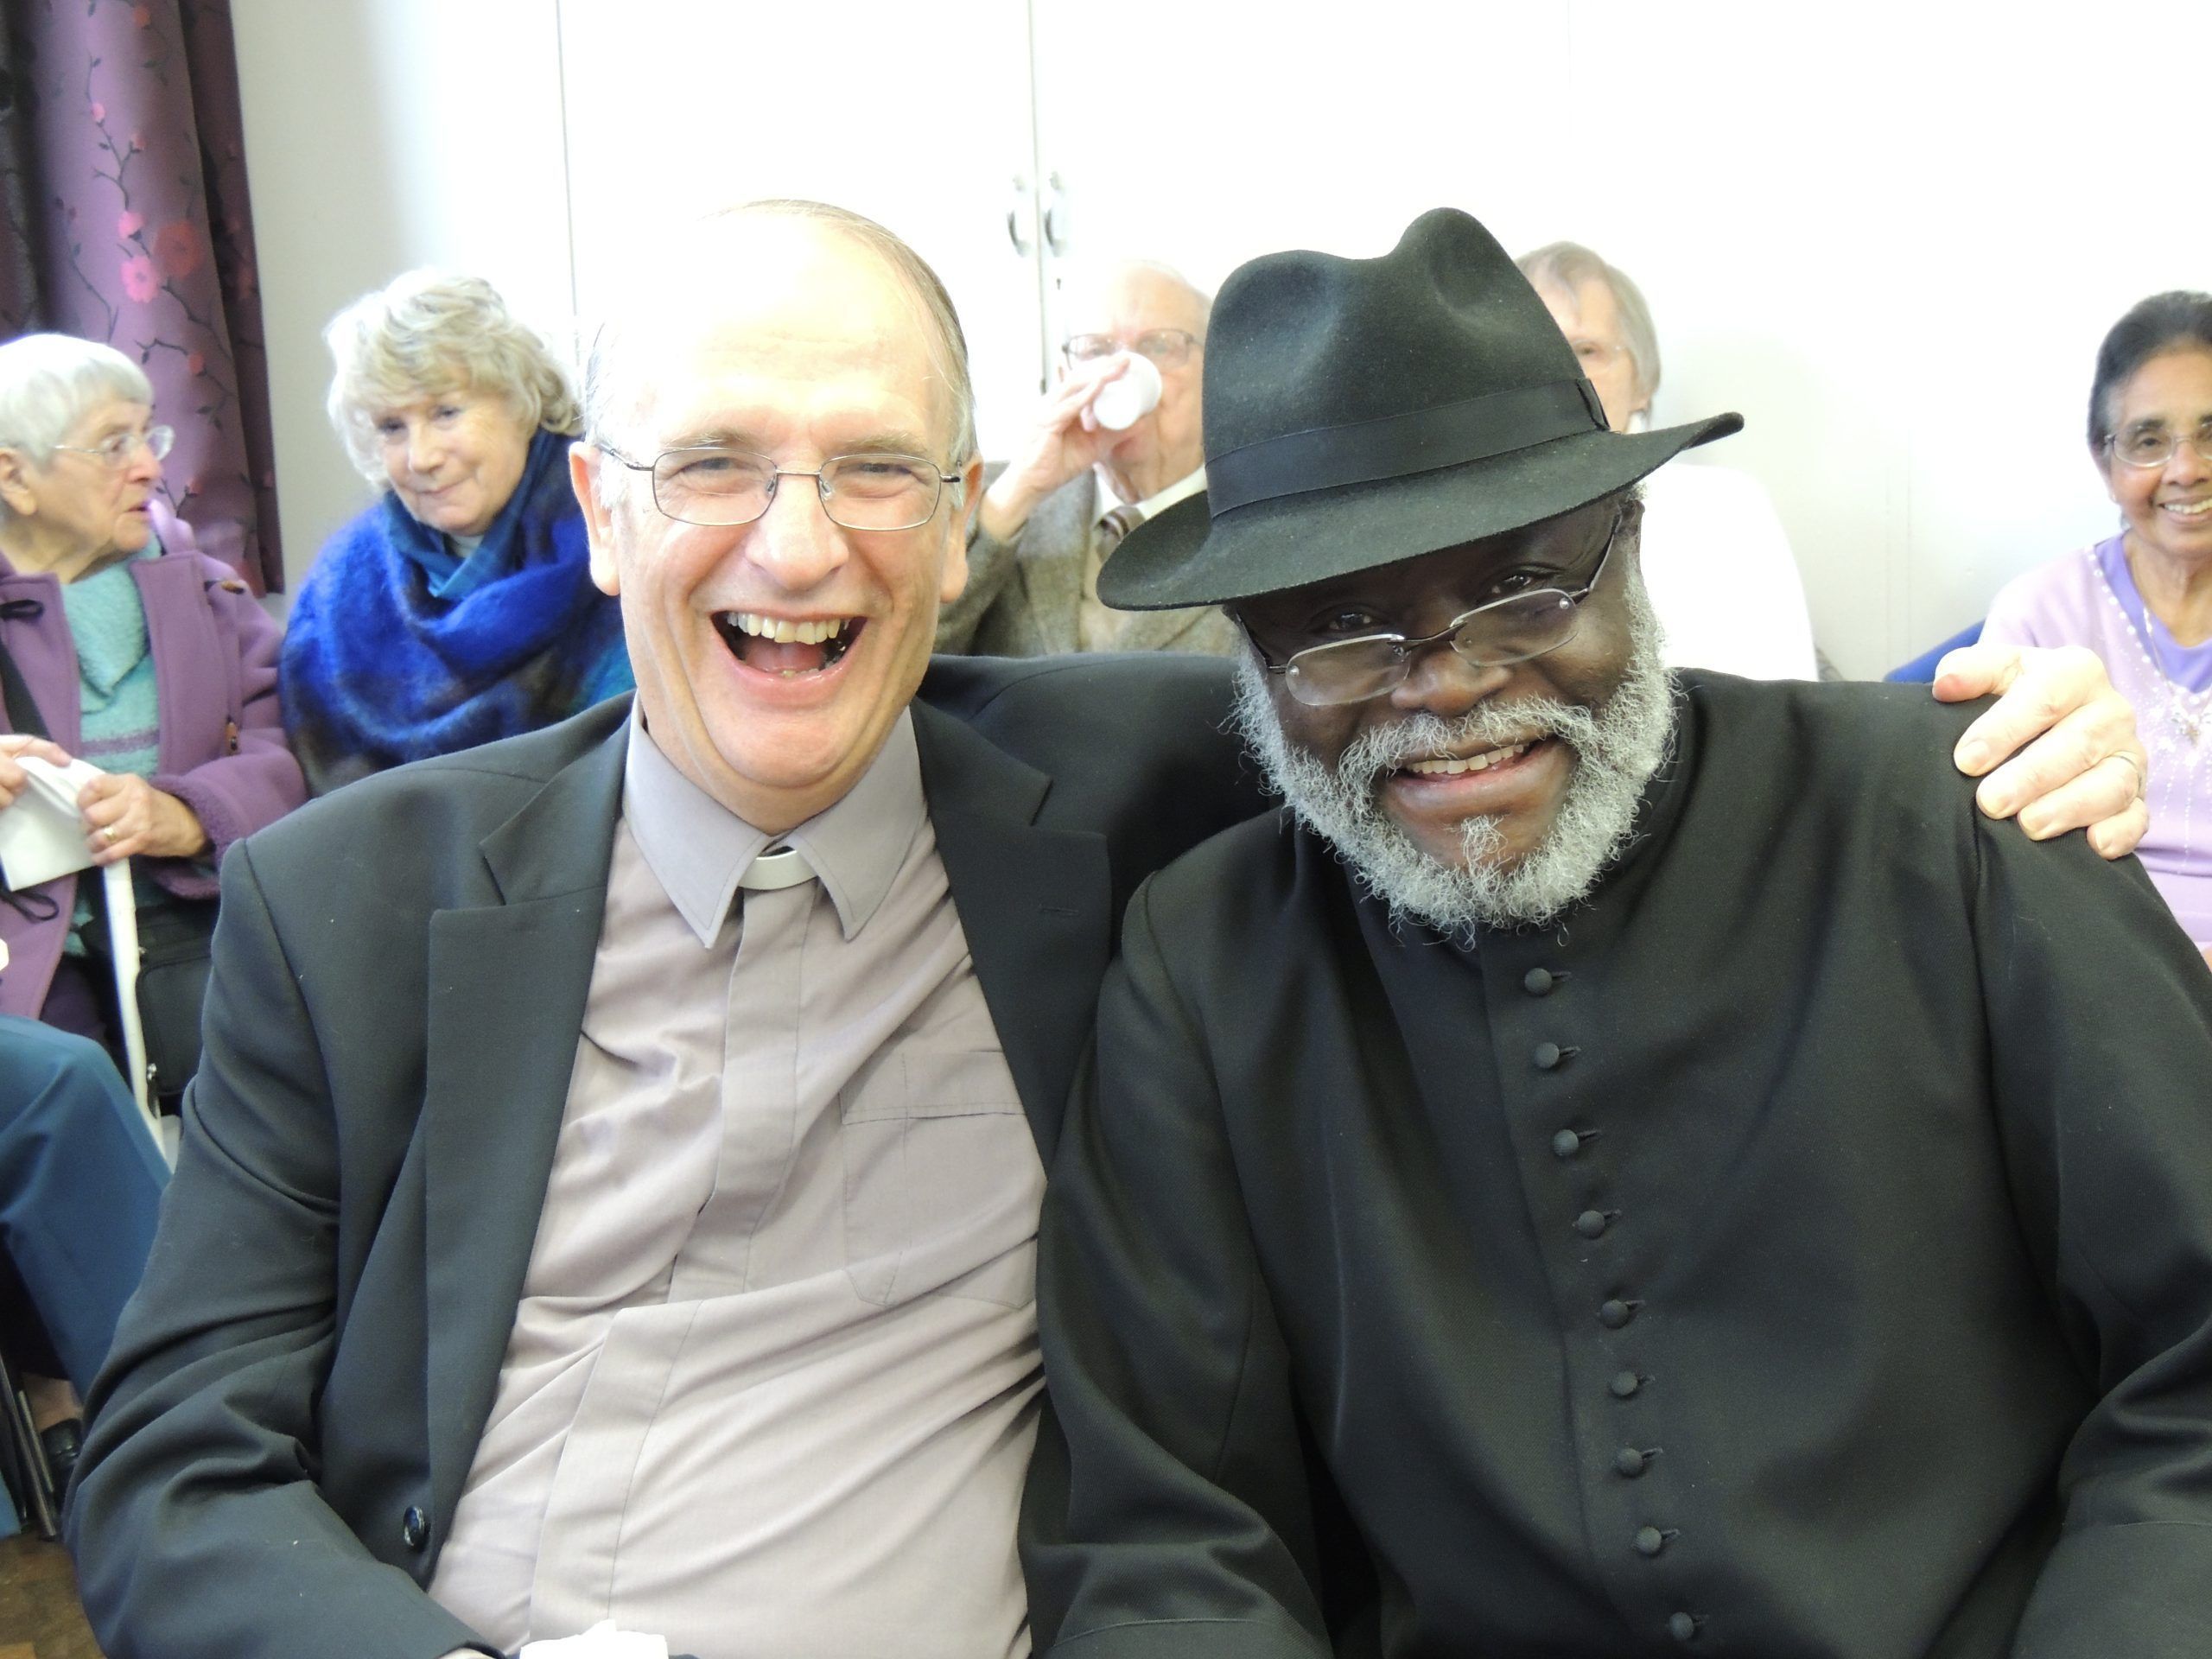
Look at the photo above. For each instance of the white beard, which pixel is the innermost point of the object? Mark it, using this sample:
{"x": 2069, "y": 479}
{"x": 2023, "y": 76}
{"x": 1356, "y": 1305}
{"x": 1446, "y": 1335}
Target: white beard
{"x": 1617, "y": 748}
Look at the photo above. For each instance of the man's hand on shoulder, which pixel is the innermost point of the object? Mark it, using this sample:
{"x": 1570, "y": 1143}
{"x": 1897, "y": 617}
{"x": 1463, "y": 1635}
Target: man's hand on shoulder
{"x": 2059, "y": 750}
{"x": 1064, "y": 441}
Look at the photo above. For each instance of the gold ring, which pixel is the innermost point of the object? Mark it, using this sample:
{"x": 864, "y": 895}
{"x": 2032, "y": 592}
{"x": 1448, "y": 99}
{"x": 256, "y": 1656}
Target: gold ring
{"x": 107, "y": 836}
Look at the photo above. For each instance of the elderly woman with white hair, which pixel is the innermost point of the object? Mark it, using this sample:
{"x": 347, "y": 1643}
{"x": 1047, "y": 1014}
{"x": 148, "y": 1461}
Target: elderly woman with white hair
{"x": 125, "y": 647}
{"x": 138, "y": 653}
{"x": 460, "y": 606}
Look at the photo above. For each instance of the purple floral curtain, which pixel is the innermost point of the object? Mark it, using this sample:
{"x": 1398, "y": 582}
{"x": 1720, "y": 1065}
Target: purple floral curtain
{"x": 122, "y": 181}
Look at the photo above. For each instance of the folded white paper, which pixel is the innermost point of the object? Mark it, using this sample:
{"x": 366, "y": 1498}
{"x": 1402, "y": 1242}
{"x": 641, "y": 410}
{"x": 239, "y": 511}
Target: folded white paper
{"x": 602, "y": 1641}
{"x": 43, "y": 834}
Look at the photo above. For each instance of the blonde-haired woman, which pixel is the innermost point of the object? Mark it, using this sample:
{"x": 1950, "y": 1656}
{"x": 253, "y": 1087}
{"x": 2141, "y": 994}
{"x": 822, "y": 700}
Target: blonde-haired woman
{"x": 460, "y": 608}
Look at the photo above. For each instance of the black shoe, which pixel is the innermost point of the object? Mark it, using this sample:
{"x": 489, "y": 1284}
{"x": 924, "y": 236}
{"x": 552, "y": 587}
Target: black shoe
{"x": 62, "y": 1443}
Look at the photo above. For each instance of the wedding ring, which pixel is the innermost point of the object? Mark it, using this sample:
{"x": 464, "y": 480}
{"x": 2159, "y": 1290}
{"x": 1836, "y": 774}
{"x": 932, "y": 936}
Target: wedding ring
{"x": 107, "y": 836}
{"x": 2142, "y": 778}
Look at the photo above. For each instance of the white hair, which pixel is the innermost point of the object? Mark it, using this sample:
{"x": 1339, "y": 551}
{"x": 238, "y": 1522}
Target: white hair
{"x": 428, "y": 332}
{"x": 608, "y": 399}
{"x": 1565, "y": 266}
{"x": 47, "y": 382}
{"x": 1617, "y": 748}
{"x": 1088, "y": 281}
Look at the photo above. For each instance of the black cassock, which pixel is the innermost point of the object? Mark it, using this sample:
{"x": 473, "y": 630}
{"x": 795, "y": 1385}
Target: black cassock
{"x": 1804, "y": 1248}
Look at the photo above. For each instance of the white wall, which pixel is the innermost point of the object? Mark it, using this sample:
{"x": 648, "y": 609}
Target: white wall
{"x": 1890, "y": 234}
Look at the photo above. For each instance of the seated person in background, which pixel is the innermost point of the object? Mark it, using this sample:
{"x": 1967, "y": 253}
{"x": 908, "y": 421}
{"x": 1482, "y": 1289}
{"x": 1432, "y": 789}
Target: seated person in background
{"x": 156, "y": 665}
{"x": 80, "y": 1187}
{"x": 2142, "y": 600}
{"x": 1047, "y": 519}
{"x": 1648, "y": 1159}
{"x": 602, "y": 1213}
{"x": 458, "y": 609}
{"x": 1715, "y": 556}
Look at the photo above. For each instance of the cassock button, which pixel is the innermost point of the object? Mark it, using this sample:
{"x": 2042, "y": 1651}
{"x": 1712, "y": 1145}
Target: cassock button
{"x": 414, "y": 1528}
{"x": 1682, "y": 1627}
{"x": 1538, "y": 982}
{"x": 1566, "y": 1144}
{"x": 1649, "y": 1540}
{"x": 1590, "y": 1223}
{"x": 1613, "y": 1312}
{"x": 1624, "y": 1385}
{"x": 1549, "y": 1055}
{"x": 1629, "y": 1463}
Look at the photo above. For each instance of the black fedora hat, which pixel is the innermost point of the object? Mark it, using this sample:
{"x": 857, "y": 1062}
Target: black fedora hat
{"x": 1363, "y": 412}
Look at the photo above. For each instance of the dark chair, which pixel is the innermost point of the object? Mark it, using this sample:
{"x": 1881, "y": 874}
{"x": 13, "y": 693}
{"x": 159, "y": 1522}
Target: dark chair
{"x": 23, "y": 1471}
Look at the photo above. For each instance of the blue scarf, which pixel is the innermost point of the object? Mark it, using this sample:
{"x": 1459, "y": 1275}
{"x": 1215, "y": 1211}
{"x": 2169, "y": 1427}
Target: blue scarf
{"x": 377, "y": 671}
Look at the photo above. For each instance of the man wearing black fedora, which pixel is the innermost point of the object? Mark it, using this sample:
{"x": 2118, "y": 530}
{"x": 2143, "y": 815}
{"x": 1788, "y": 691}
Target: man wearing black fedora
{"x": 1625, "y": 1164}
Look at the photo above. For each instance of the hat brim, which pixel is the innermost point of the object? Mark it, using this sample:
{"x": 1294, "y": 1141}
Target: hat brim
{"x": 1184, "y": 555}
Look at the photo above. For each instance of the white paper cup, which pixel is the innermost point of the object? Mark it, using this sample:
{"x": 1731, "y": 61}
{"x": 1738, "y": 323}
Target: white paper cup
{"x": 1127, "y": 399}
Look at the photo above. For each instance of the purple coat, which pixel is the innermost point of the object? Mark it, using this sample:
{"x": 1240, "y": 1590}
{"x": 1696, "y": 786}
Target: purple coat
{"x": 222, "y": 745}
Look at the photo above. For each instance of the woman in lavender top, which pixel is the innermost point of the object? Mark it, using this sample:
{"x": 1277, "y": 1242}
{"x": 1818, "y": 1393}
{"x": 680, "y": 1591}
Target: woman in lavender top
{"x": 2143, "y": 599}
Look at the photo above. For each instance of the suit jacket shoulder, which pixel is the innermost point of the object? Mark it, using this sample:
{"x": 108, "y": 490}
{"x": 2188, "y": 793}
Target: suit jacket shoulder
{"x": 1138, "y": 746}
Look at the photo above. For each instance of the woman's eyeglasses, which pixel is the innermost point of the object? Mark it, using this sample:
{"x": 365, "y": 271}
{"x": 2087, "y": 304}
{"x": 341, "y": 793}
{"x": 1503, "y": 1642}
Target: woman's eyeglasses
{"x": 117, "y": 449}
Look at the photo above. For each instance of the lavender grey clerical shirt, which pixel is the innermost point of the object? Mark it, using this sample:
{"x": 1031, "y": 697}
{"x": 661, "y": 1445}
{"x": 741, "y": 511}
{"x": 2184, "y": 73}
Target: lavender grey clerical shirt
{"x": 773, "y": 1379}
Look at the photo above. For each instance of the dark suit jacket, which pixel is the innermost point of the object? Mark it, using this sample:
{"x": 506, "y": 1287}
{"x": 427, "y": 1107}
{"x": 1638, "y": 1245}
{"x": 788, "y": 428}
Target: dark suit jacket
{"x": 281, "y": 1434}
{"x": 1803, "y": 1248}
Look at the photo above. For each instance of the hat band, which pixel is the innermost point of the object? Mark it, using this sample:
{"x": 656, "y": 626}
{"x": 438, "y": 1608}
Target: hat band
{"x": 1420, "y": 441}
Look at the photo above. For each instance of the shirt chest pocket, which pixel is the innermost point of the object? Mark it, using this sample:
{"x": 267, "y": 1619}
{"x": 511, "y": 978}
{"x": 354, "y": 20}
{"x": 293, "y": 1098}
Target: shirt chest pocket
{"x": 943, "y": 1182}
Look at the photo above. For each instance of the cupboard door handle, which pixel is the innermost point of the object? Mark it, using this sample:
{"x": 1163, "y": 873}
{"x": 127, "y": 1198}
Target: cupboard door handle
{"x": 1022, "y": 198}
{"x": 1053, "y": 239}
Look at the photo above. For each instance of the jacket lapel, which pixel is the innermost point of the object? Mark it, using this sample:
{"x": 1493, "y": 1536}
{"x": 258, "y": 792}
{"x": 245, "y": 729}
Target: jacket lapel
{"x": 508, "y": 981}
{"x": 1051, "y": 573}
{"x": 1034, "y": 904}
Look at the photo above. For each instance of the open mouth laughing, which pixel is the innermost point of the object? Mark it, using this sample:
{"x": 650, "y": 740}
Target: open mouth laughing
{"x": 787, "y": 646}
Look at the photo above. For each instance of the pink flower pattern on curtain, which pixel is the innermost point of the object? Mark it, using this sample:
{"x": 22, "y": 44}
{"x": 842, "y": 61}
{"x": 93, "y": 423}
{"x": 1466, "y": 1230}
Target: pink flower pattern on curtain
{"x": 122, "y": 181}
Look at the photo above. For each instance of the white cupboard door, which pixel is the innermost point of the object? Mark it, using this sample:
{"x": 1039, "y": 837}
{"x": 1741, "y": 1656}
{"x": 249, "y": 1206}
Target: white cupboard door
{"x": 1204, "y": 135}
{"x": 917, "y": 117}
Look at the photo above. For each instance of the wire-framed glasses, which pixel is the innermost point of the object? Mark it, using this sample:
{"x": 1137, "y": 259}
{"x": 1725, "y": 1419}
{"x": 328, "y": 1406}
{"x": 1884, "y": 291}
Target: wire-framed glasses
{"x": 118, "y": 448}
{"x": 712, "y": 484}
{"x": 1168, "y": 348}
{"x": 1510, "y": 630}
{"x": 2154, "y": 446}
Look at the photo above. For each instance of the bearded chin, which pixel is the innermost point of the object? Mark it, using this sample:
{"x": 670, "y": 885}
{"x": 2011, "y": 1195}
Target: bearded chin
{"x": 1617, "y": 749}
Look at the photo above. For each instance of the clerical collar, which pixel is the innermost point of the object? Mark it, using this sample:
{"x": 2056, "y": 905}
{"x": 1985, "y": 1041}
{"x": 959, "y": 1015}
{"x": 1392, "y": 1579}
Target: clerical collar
{"x": 1158, "y": 500}
{"x": 698, "y": 848}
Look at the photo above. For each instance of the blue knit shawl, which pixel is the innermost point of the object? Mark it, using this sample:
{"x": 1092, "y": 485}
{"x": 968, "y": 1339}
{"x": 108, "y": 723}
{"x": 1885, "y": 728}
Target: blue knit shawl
{"x": 379, "y": 671}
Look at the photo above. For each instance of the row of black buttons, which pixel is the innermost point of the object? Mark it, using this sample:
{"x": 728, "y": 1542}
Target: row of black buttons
{"x": 1629, "y": 1462}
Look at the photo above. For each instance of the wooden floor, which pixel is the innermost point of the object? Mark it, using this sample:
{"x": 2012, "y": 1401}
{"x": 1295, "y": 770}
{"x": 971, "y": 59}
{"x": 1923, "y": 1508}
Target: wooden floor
{"x": 39, "y": 1615}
